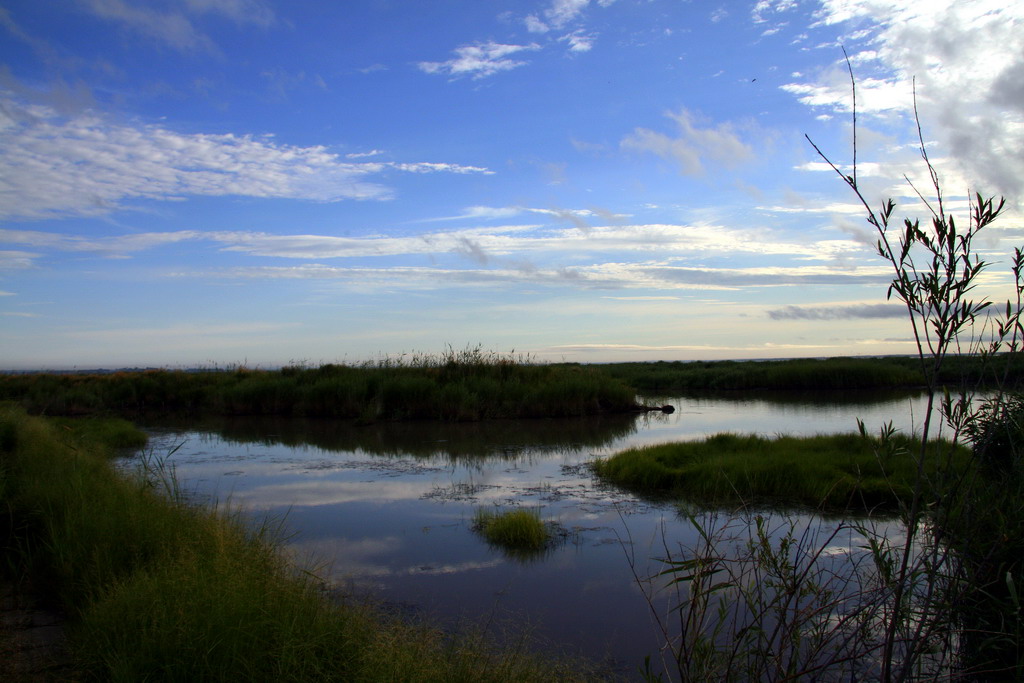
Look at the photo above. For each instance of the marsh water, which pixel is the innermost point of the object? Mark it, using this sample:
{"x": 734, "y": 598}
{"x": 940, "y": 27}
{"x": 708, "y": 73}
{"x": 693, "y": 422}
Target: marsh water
{"x": 385, "y": 510}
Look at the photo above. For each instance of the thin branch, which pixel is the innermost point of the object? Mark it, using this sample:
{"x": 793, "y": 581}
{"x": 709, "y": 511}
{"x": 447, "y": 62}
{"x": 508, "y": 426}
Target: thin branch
{"x": 853, "y": 91}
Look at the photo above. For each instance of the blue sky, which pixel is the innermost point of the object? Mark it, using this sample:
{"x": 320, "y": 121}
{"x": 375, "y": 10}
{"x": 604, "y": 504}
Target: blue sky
{"x": 210, "y": 182}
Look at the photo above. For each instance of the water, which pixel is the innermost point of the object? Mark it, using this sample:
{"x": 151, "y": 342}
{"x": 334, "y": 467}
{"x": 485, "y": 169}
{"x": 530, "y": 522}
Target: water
{"x": 386, "y": 510}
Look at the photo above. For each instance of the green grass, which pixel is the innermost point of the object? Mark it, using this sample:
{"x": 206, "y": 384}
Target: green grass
{"x": 808, "y": 374}
{"x": 161, "y": 590}
{"x": 457, "y": 386}
{"x": 520, "y": 532}
{"x": 840, "y": 471}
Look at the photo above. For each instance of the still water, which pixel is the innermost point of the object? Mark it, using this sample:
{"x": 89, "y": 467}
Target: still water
{"x": 386, "y": 510}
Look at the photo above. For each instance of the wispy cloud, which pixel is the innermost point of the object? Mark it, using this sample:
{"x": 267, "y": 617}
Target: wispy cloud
{"x": 679, "y": 241}
{"x": 604, "y": 276}
{"x": 579, "y": 41}
{"x": 257, "y": 12}
{"x": 577, "y": 217}
{"x": 176, "y": 26}
{"x": 363, "y": 155}
{"x": 839, "y": 312}
{"x": 559, "y": 14}
{"x": 111, "y": 247}
{"x": 87, "y": 165}
{"x": 479, "y": 61}
{"x": 172, "y": 28}
{"x": 177, "y": 332}
{"x": 435, "y": 167}
{"x": 17, "y": 260}
{"x": 693, "y": 144}
{"x": 642, "y": 298}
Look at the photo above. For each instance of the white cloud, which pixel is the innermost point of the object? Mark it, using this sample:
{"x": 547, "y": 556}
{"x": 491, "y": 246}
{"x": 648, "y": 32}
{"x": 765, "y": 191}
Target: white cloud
{"x": 968, "y": 61}
{"x": 577, "y": 217}
{"x": 693, "y": 145}
{"x": 363, "y": 155}
{"x": 579, "y": 41}
{"x": 874, "y": 96}
{"x": 561, "y": 12}
{"x": 535, "y": 25}
{"x": 87, "y": 165}
{"x": 479, "y": 61}
{"x": 764, "y": 7}
{"x": 432, "y": 167}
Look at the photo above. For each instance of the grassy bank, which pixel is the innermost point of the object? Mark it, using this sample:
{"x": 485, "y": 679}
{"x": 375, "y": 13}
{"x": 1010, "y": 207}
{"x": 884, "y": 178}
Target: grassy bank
{"x": 810, "y": 374}
{"x": 157, "y": 589}
{"x": 466, "y": 385}
{"x": 837, "y": 472}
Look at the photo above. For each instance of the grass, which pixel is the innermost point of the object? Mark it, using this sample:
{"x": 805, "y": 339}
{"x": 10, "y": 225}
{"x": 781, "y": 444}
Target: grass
{"x": 520, "y": 532}
{"x": 161, "y": 590}
{"x": 805, "y": 374}
{"x": 457, "y": 386}
{"x": 840, "y": 471}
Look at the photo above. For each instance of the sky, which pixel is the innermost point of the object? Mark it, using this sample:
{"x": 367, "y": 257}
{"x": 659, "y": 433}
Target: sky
{"x": 209, "y": 183}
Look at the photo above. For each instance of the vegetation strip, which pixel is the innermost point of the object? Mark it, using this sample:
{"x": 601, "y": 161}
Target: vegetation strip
{"x": 812, "y": 374}
{"x": 157, "y": 589}
{"x": 467, "y": 385}
{"x": 840, "y": 471}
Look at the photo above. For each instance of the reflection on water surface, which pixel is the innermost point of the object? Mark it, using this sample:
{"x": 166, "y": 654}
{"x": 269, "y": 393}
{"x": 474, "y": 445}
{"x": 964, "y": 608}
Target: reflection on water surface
{"x": 388, "y": 508}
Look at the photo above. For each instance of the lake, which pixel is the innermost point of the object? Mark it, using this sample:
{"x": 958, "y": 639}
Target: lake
{"x": 385, "y": 510}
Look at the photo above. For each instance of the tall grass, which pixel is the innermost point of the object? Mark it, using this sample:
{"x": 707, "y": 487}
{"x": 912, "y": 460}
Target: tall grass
{"x": 807, "y": 374}
{"x": 161, "y": 590}
{"x": 457, "y": 386}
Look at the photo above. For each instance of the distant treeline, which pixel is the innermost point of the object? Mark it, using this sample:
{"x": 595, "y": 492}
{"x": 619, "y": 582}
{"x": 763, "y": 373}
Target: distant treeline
{"x": 809, "y": 374}
{"x": 467, "y": 387}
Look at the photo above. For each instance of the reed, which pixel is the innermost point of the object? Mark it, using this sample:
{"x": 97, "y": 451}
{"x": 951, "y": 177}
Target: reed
{"x": 941, "y": 600}
{"x": 158, "y": 589}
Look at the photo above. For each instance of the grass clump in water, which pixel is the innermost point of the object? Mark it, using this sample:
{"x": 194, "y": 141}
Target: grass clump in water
{"x": 520, "y": 532}
{"x": 838, "y": 471}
